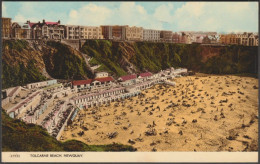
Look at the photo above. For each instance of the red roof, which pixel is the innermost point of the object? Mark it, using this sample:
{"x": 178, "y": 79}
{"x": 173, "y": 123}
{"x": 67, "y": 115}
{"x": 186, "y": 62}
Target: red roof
{"x": 146, "y": 74}
{"x": 31, "y": 24}
{"x": 104, "y": 79}
{"x": 51, "y": 23}
{"x": 128, "y": 77}
{"x": 81, "y": 82}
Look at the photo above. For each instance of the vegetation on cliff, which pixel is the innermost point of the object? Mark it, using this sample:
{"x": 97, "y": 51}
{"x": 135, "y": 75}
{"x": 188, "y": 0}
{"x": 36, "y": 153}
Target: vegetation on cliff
{"x": 20, "y": 64}
{"x": 233, "y": 60}
{"x": 65, "y": 63}
{"x": 19, "y": 136}
{"x": 148, "y": 56}
{"x": 23, "y": 63}
{"x": 105, "y": 54}
{"x": 16, "y": 45}
{"x": 20, "y": 75}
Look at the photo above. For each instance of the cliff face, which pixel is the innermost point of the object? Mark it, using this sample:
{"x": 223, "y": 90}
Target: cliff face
{"x": 20, "y": 64}
{"x": 209, "y": 52}
{"x": 120, "y": 58}
{"x": 32, "y": 61}
{"x": 15, "y": 52}
{"x": 63, "y": 62}
{"x": 25, "y": 62}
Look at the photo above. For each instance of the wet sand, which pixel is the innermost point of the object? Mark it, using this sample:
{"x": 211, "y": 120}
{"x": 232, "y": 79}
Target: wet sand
{"x": 200, "y": 113}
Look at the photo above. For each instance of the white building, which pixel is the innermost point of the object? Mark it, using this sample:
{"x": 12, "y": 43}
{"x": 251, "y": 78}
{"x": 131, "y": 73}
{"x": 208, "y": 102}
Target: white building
{"x": 151, "y": 35}
{"x": 101, "y": 74}
{"x": 41, "y": 84}
{"x": 74, "y": 32}
{"x": 128, "y": 79}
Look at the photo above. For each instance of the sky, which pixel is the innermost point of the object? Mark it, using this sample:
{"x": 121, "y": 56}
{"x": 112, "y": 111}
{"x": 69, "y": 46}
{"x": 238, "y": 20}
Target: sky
{"x": 174, "y": 16}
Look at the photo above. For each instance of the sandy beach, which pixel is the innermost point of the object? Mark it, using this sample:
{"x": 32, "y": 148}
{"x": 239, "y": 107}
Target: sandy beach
{"x": 201, "y": 113}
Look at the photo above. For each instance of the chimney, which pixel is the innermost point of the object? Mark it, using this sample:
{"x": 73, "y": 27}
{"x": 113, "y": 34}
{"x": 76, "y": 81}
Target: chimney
{"x": 59, "y": 21}
{"x": 43, "y": 21}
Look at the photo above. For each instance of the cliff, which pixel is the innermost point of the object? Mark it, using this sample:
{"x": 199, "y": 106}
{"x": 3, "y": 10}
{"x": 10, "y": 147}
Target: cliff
{"x": 31, "y": 61}
{"x": 26, "y": 62}
{"x": 120, "y": 58}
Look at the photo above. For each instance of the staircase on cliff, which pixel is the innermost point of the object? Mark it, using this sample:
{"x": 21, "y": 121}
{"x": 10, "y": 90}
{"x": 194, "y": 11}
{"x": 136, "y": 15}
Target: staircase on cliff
{"x": 75, "y": 46}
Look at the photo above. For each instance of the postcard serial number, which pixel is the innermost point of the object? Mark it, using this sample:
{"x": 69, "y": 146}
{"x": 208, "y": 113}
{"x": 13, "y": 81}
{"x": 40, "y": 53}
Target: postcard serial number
{"x": 15, "y": 156}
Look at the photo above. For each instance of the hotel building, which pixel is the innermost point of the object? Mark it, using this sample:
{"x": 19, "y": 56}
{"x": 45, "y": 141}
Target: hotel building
{"x": 134, "y": 33}
{"x": 151, "y": 35}
{"x": 47, "y": 30}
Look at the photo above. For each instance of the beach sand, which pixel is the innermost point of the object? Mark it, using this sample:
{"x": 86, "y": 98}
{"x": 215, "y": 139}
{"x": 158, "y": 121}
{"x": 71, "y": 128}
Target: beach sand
{"x": 201, "y": 113}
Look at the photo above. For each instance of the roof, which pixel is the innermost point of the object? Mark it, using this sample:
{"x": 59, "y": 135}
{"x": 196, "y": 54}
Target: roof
{"x": 6, "y": 18}
{"x": 128, "y": 77}
{"x": 98, "y": 93}
{"x": 81, "y": 82}
{"x": 104, "y": 79}
{"x": 43, "y": 23}
{"x": 146, "y": 74}
{"x": 23, "y": 25}
{"x": 51, "y": 23}
{"x": 31, "y": 24}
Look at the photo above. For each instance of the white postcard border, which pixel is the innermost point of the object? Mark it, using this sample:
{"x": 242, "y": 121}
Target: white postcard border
{"x": 130, "y": 156}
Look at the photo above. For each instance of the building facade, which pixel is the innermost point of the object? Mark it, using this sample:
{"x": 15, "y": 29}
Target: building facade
{"x": 134, "y": 33}
{"x": 256, "y": 40}
{"x": 101, "y": 74}
{"x": 118, "y": 32}
{"x": 47, "y": 30}
{"x": 83, "y": 32}
{"x": 107, "y": 32}
{"x": 74, "y": 32}
{"x": 151, "y": 35}
{"x": 21, "y": 30}
{"x": 6, "y": 27}
{"x": 209, "y": 40}
{"x": 176, "y": 37}
{"x": 199, "y": 39}
{"x": 246, "y": 39}
{"x": 114, "y": 32}
{"x": 185, "y": 38}
{"x": 166, "y": 36}
{"x": 206, "y": 40}
{"x": 92, "y": 32}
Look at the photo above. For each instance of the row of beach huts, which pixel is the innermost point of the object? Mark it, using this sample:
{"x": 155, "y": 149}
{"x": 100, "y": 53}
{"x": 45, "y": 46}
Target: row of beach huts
{"x": 81, "y": 94}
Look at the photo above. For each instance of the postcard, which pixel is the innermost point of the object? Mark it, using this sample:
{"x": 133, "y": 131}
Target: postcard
{"x": 93, "y": 81}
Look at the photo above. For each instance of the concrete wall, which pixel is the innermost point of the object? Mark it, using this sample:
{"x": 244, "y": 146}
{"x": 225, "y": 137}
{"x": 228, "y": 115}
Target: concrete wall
{"x": 15, "y": 93}
{"x": 51, "y": 82}
{"x": 76, "y": 44}
{"x": 5, "y": 101}
{"x": 64, "y": 125}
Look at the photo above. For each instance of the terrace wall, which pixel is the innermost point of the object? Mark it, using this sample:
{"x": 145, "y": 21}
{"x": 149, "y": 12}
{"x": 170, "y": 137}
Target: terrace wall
{"x": 64, "y": 125}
